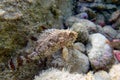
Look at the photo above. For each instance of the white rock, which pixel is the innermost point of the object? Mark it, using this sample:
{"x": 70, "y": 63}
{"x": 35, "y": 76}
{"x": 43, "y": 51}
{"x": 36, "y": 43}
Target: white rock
{"x": 100, "y": 55}
{"x": 115, "y": 72}
{"x": 55, "y": 74}
{"x": 98, "y": 40}
{"x": 2, "y": 12}
{"x": 101, "y": 75}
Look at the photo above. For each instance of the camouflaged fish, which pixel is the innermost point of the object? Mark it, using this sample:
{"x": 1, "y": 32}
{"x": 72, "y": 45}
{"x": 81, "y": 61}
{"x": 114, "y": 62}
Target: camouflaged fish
{"x": 49, "y": 42}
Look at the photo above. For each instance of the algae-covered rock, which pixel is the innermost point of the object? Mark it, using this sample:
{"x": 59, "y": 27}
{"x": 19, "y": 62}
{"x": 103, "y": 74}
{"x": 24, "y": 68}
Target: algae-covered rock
{"x": 82, "y": 31}
{"x": 20, "y": 20}
{"x": 77, "y": 62}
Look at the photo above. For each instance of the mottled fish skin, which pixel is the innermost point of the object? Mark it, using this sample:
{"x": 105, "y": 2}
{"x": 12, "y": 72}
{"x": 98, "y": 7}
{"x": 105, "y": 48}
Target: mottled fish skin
{"x": 52, "y": 40}
{"x": 49, "y": 42}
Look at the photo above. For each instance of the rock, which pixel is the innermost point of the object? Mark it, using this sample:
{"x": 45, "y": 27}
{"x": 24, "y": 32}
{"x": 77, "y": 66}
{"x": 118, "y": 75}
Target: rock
{"x": 55, "y": 74}
{"x": 118, "y": 36}
{"x": 91, "y": 14}
{"x": 100, "y": 55}
{"x": 30, "y": 1}
{"x": 106, "y": 15}
{"x": 82, "y": 32}
{"x": 114, "y": 16}
{"x": 110, "y": 31}
{"x": 115, "y": 19}
{"x": 108, "y": 1}
{"x": 116, "y": 1}
{"x": 100, "y": 20}
{"x": 2, "y": 12}
{"x": 56, "y": 60}
{"x": 71, "y": 20}
{"x": 98, "y": 1}
{"x": 98, "y": 6}
{"x": 79, "y": 46}
{"x": 69, "y": 58}
{"x": 23, "y": 19}
{"x": 115, "y": 72}
{"x": 102, "y": 75}
{"x": 86, "y": 0}
{"x": 111, "y": 7}
{"x": 82, "y": 15}
{"x": 91, "y": 27}
{"x": 100, "y": 29}
{"x": 13, "y": 16}
{"x": 77, "y": 61}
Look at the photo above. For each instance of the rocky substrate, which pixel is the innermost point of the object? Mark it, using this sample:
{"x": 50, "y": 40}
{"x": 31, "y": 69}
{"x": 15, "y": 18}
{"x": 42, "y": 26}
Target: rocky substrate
{"x": 95, "y": 54}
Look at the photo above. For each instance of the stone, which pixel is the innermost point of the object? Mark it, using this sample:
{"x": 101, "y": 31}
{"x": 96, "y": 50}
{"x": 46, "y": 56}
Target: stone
{"x": 56, "y": 60}
{"x": 91, "y": 27}
{"x": 118, "y": 36}
{"x": 82, "y": 15}
{"x": 110, "y": 31}
{"x": 77, "y": 61}
{"x": 100, "y": 20}
{"x": 13, "y": 16}
{"x": 111, "y": 7}
{"x": 102, "y": 75}
{"x": 55, "y": 74}
{"x": 99, "y": 6}
{"x": 2, "y": 12}
{"x": 91, "y": 14}
{"x": 79, "y": 46}
{"x": 115, "y": 72}
{"x": 98, "y": 1}
{"x": 70, "y": 21}
{"x": 100, "y": 55}
{"x": 82, "y": 32}
{"x": 86, "y": 0}
{"x": 115, "y": 19}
